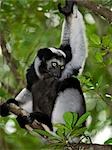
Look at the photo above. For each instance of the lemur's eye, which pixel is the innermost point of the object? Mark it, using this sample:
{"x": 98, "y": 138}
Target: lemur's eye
{"x": 62, "y": 67}
{"x": 54, "y": 64}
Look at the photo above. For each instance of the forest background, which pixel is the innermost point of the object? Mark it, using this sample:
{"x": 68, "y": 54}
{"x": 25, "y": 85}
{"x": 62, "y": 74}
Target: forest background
{"x": 28, "y": 25}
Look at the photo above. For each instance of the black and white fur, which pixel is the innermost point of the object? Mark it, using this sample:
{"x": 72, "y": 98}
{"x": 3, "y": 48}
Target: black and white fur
{"x": 73, "y": 34}
{"x": 47, "y": 97}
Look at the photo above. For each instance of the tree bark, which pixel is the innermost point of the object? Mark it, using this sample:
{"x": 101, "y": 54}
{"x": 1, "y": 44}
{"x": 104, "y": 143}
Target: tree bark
{"x": 83, "y": 146}
{"x": 96, "y": 8}
{"x": 11, "y": 61}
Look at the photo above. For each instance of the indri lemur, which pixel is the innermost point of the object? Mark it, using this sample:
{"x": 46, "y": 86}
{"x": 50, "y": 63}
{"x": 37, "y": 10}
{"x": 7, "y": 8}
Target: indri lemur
{"x": 51, "y": 90}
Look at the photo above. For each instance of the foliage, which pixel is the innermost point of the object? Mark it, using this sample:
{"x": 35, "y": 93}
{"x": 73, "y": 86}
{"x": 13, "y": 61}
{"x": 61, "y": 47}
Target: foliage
{"x": 66, "y": 133}
{"x": 109, "y": 141}
{"x": 31, "y": 24}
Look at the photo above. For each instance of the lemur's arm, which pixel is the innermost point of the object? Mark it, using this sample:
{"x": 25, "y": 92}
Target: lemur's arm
{"x": 73, "y": 34}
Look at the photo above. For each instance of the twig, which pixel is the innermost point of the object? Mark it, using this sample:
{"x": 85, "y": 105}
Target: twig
{"x": 96, "y": 8}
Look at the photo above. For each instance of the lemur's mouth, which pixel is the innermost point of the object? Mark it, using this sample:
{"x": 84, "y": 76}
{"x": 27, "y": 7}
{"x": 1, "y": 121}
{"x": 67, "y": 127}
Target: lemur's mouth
{"x": 56, "y": 75}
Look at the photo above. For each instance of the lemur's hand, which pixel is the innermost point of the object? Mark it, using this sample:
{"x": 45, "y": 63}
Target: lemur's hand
{"x": 67, "y": 9}
{"x": 4, "y": 108}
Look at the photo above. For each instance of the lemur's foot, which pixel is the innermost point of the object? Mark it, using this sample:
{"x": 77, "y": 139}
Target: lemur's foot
{"x": 24, "y": 120}
{"x": 4, "y": 108}
{"x": 67, "y": 9}
{"x": 40, "y": 117}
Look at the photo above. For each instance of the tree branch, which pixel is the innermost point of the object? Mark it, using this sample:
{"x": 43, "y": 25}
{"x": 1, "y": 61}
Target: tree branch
{"x": 11, "y": 62}
{"x": 35, "y": 125}
{"x": 96, "y": 8}
{"x": 83, "y": 146}
{"x": 19, "y": 111}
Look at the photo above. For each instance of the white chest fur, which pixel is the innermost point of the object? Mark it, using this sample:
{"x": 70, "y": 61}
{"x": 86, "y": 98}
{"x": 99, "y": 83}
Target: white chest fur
{"x": 69, "y": 100}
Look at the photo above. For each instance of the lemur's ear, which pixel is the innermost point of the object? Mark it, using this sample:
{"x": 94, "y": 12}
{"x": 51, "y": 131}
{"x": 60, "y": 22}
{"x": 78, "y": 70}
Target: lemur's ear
{"x": 45, "y": 54}
{"x": 67, "y": 50}
{"x": 41, "y": 54}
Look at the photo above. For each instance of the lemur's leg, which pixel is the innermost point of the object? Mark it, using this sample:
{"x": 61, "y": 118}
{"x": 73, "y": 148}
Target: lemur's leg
{"x": 23, "y": 99}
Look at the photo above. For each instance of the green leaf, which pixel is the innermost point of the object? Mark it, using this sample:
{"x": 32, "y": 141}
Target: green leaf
{"x": 82, "y": 119}
{"x": 45, "y": 133}
{"x": 59, "y": 125}
{"x": 95, "y": 39}
{"x": 106, "y": 40}
{"x": 109, "y": 141}
{"x": 68, "y": 118}
{"x": 78, "y": 132}
{"x": 99, "y": 57}
{"x": 75, "y": 117}
{"x": 23, "y": 2}
{"x": 100, "y": 81}
{"x": 60, "y": 132}
{"x": 2, "y": 92}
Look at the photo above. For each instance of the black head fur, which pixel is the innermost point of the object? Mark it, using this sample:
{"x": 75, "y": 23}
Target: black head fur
{"x": 47, "y": 54}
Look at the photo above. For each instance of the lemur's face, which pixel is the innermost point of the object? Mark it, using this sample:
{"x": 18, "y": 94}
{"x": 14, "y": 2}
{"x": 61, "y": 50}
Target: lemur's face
{"x": 55, "y": 67}
{"x": 50, "y": 62}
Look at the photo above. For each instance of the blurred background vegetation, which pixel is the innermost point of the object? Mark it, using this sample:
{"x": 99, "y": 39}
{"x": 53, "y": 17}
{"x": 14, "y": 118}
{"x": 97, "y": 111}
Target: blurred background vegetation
{"x": 29, "y": 25}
